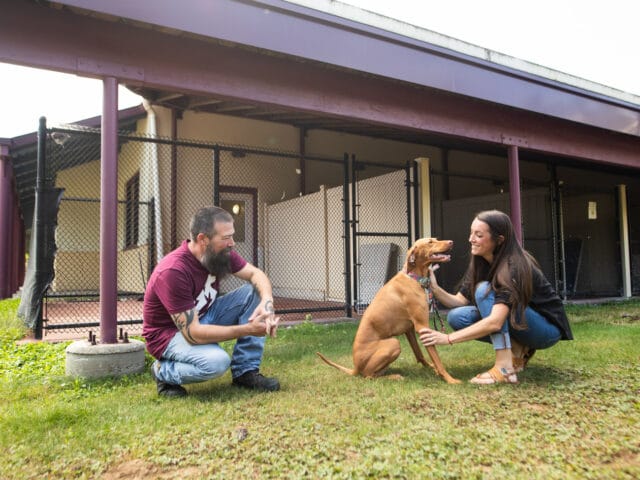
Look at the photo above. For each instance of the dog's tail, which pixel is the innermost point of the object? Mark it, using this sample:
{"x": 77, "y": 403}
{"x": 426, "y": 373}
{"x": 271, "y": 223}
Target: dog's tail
{"x": 346, "y": 370}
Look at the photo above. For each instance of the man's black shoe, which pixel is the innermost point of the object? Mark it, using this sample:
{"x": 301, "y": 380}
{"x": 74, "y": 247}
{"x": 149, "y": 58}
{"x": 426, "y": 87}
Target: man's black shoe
{"x": 167, "y": 389}
{"x": 256, "y": 381}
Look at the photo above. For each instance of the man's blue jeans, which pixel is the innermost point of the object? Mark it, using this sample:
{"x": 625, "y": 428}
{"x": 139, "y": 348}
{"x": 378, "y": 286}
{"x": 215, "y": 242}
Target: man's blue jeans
{"x": 183, "y": 363}
{"x": 539, "y": 334}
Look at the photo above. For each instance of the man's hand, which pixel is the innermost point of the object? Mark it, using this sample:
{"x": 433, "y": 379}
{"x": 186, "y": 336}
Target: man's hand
{"x": 265, "y": 314}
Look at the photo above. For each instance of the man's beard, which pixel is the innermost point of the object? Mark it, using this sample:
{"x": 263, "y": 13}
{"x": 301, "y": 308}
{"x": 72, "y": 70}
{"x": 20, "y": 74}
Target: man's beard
{"x": 218, "y": 264}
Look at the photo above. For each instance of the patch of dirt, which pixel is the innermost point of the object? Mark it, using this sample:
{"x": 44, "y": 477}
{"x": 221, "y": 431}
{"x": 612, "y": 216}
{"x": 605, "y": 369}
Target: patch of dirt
{"x": 630, "y": 318}
{"x": 537, "y": 407}
{"x": 141, "y": 470}
{"x": 626, "y": 458}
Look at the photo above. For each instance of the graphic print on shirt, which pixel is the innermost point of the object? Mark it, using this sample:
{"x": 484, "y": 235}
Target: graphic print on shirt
{"x": 207, "y": 295}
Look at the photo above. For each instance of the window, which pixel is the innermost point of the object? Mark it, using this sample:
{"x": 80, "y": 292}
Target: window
{"x": 132, "y": 211}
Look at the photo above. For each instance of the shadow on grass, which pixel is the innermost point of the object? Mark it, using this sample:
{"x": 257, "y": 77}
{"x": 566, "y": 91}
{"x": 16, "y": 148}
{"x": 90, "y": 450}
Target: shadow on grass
{"x": 533, "y": 375}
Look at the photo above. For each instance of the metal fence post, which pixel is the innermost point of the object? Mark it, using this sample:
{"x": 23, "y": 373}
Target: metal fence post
{"x": 355, "y": 204}
{"x": 408, "y": 185}
{"x": 216, "y": 175}
{"x": 151, "y": 235}
{"x": 347, "y": 240}
{"x": 416, "y": 202}
{"x": 38, "y": 233}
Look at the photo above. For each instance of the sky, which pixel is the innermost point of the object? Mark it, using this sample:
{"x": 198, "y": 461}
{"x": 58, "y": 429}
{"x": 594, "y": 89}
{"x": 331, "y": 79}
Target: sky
{"x": 592, "y": 39}
{"x": 28, "y": 94}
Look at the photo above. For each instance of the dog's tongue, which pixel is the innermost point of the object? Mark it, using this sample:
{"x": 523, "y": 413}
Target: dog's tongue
{"x": 440, "y": 258}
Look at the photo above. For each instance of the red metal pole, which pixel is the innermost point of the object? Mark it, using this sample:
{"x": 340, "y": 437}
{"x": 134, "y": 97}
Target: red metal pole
{"x": 109, "y": 213}
{"x": 514, "y": 192}
{"x": 6, "y": 209}
{"x": 16, "y": 244}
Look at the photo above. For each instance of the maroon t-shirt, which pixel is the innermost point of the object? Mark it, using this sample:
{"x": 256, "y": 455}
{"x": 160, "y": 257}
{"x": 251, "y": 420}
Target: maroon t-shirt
{"x": 178, "y": 283}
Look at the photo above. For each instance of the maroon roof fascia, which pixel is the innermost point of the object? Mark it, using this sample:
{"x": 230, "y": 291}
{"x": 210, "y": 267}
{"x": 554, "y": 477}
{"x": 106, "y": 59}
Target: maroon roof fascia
{"x": 273, "y": 24}
{"x": 139, "y": 56}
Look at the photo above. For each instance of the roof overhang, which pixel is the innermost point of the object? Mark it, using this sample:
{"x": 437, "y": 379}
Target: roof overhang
{"x": 277, "y": 61}
{"x": 312, "y": 35}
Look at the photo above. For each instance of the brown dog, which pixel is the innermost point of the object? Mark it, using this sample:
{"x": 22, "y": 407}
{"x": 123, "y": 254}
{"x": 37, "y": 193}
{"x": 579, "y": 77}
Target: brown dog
{"x": 400, "y": 306}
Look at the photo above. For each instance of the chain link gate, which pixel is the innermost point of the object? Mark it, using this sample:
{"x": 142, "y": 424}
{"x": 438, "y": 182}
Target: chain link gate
{"x": 382, "y": 225}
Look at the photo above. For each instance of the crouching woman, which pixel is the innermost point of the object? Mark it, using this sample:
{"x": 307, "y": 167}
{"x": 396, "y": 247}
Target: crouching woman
{"x": 504, "y": 299}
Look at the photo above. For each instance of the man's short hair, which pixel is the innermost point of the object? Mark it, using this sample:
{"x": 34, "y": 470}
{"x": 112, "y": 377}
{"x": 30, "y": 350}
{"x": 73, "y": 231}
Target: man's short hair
{"x": 205, "y": 220}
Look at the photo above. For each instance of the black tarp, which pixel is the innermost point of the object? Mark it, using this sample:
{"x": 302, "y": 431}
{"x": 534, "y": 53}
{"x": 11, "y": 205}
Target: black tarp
{"x": 42, "y": 250}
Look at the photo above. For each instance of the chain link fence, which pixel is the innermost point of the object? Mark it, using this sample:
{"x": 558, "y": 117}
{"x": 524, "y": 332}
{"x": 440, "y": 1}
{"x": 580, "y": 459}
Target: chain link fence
{"x": 72, "y": 163}
{"x": 290, "y": 215}
{"x": 381, "y": 235}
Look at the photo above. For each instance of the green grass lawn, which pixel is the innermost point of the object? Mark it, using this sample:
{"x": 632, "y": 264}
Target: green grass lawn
{"x": 576, "y": 413}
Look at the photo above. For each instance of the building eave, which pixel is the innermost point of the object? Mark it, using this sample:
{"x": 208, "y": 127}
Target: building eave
{"x": 296, "y": 30}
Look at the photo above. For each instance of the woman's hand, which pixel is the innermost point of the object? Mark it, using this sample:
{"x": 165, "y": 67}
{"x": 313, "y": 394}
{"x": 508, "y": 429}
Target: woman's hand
{"x": 429, "y": 337}
{"x": 432, "y": 273}
{"x": 445, "y": 298}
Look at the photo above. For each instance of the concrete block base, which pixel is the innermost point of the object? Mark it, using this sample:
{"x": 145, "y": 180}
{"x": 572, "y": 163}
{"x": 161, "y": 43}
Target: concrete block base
{"x": 104, "y": 360}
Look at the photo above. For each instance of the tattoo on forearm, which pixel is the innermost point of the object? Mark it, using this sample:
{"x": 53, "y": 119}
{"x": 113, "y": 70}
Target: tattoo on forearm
{"x": 183, "y": 321}
{"x": 178, "y": 320}
{"x": 269, "y": 306}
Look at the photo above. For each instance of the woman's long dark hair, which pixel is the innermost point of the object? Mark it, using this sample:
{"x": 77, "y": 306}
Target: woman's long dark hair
{"x": 512, "y": 266}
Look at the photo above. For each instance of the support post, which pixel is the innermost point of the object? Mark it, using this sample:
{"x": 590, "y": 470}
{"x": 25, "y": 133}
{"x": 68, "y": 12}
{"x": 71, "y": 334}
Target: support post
{"x": 625, "y": 257}
{"x": 6, "y": 231}
{"x": 424, "y": 180}
{"x": 109, "y": 213}
{"x": 514, "y": 192}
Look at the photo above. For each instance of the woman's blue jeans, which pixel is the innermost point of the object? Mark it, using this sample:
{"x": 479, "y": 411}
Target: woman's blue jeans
{"x": 539, "y": 333}
{"x": 183, "y": 363}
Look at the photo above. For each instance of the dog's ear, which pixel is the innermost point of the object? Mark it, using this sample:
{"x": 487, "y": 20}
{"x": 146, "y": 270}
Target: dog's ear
{"x": 411, "y": 255}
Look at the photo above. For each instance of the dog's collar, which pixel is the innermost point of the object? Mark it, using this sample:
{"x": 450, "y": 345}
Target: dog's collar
{"x": 425, "y": 282}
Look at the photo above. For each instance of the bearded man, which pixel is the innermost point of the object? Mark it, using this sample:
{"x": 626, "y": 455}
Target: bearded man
{"x": 184, "y": 318}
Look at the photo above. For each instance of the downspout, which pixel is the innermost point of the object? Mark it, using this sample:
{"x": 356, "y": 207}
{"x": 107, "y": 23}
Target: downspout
{"x": 155, "y": 176}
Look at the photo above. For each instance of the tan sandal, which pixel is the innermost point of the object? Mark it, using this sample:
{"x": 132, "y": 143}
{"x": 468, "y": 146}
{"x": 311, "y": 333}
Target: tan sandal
{"x": 495, "y": 375}
{"x": 519, "y": 363}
